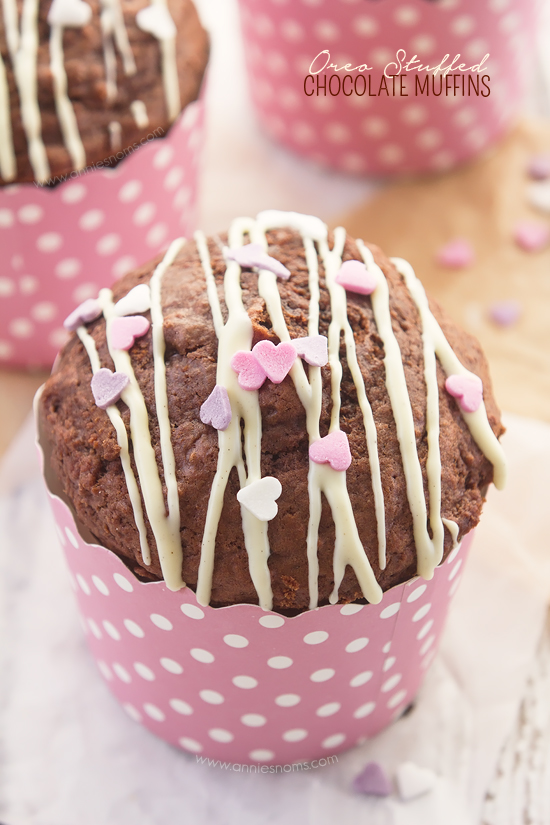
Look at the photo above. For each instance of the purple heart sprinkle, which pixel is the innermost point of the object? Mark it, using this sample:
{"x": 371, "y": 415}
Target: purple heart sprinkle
{"x": 88, "y": 311}
{"x": 253, "y": 255}
{"x": 505, "y": 313}
{"x": 107, "y": 387}
{"x": 539, "y": 167}
{"x": 216, "y": 410}
{"x": 372, "y": 781}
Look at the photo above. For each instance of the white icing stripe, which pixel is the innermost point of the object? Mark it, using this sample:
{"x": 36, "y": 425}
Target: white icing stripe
{"x": 25, "y": 77}
{"x": 341, "y": 323}
{"x": 109, "y": 57}
{"x": 402, "y": 412}
{"x": 477, "y": 421}
{"x": 122, "y": 440}
{"x": 166, "y": 537}
{"x": 139, "y": 112}
{"x": 170, "y": 78}
{"x": 161, "y": 395}
{"x": 121, "y": 38}
{"x": 211, "y": 289}
{"x": 11, "y": 26}
{"x": 8, "y": 164}
{"x": 235, "y": 335}
{"x": 64, "y": 107}
{"x": 115, "y": 135}
{"x": 453, "y": 529}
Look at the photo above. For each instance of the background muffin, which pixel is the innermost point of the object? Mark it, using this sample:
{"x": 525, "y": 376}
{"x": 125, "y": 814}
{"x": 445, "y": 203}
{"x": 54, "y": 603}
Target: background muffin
{"x": 87, "y": 80}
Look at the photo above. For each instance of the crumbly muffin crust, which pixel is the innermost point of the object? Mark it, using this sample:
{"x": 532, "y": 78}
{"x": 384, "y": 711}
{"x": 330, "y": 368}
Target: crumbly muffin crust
{"x": 85, "y": 453}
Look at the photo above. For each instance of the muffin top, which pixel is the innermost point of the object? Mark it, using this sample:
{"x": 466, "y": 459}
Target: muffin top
{"x": 277, "y": 416}
{"x": 85, "y": 82}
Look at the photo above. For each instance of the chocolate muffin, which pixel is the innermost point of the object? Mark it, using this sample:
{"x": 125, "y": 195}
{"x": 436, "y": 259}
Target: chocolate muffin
{"x": 276, "y": 416}
{"x": 83, "y": 84}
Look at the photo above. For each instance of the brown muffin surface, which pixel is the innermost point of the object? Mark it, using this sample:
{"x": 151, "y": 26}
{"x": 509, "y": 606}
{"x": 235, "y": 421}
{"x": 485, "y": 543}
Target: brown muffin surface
{"x": 85, "y": 453}
{"x": 85, "y": 67}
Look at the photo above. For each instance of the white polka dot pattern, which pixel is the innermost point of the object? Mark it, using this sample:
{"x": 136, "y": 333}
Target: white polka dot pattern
{"x": 282, "y": 39}
{"x": 243, "y": 684}
{"x": 88, "y": 231}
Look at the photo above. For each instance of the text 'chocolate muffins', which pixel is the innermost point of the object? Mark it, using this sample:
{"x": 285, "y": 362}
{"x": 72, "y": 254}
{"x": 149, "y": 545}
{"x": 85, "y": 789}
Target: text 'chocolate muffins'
{"x": 82, "y": 84}
{"x": 277, "y": 416}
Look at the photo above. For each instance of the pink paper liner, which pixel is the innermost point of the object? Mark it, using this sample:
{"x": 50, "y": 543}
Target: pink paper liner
{"x": 386, "y": 135}
{"x": 245, "y": 685}
{"x": 60, "y": 246}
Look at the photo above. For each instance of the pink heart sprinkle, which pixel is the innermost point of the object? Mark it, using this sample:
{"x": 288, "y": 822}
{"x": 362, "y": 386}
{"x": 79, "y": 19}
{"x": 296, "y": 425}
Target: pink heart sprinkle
{"x": 372, "y": 781}
{"x": 539, "y": 167}
{"x": 251, "y": 374}
{"x": 276, "y": 361}
{"x": 468, "y": 389}
{"x": 333, "y": 449}
{"x": 456, "y": 254}
{"x": 107, "y": 387}
{"x": 313, "y": 349}
{"x": 124, "y": 331}
{"x": 216, "y": 410}
{"x": 505, "y": 313}
{"x": 88, "y": 311}
{"x": 531, "y": 235}
{"x": 355, "y": 277}
{"x": 254, "y": 255}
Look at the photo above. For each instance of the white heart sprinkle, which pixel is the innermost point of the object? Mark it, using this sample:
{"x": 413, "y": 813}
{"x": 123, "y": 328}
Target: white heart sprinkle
{"x": 538, "y": 195}
{"x": 156, "y": 20}
{"x": 413, "y": 781}
{"x": 136, "y": 301}
{"x": 73, "y": 13}
{"x": 259, "y": 498}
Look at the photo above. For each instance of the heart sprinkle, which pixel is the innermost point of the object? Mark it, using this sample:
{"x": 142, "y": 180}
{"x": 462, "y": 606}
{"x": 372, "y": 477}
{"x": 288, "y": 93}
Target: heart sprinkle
{"x": 107, "y": 387}
{"x": 333, "y": 449}
{"x": 276, "y": 361}
{"x": 216, "y": 410}
{"x": 355, "y": 277}
{"x": 413, "y": 781}
{"x": 531, "y": 235}
{"x": 538, "y": 195}
{"x": 456, "y": 254}
{"x": 313, "y": 349}
{"x": 251, "y": 375}
{"x": 70, "y": 13}
{"x": 505, "y": 313}
{"x": 539, "y": 167}
{"x": 468, "y": 389}
{"x": 259, "y": 498}
{"x": 124, "y": 331}
{"x": 156, "y": 20}
{"x": 88, "y": 311}
{"x": 372, "y": 781}
{"x": 253, "y": 255}
{"x": 136, "y": 301}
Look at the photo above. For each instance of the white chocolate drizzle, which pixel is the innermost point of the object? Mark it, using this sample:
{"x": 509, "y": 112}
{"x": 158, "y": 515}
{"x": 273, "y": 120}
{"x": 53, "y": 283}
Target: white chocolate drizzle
{"x": 113, "y": 32}
{"x": 24, "y": 65}
{"x": 8, "y": 164}
{"x": 122, "y": 440}
{"x": 166, "y": 536}
{"x": 139, "y": 113}
{"x": 64, "y": 107}
{"x": 115, "y": 135}
{"x": 235, "y": 335}
{"x": 156, "y": 20}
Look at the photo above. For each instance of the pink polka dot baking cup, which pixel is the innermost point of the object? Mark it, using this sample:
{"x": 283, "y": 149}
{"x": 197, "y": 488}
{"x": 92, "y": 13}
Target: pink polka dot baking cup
{"x": 373, "y": 133}
{"x": 60, "y": 245}
{"x": 246, "y": 685}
